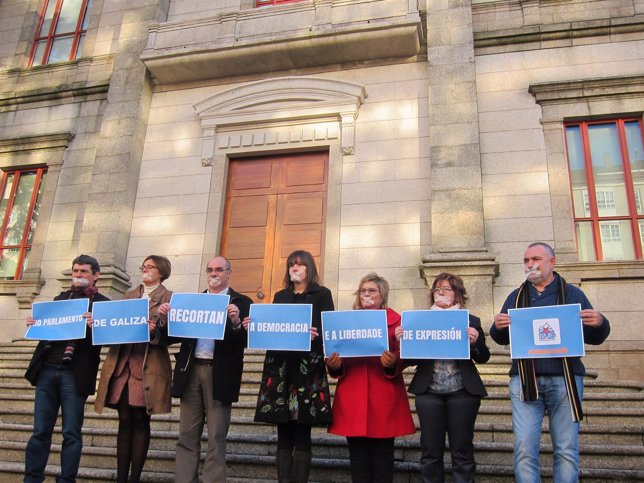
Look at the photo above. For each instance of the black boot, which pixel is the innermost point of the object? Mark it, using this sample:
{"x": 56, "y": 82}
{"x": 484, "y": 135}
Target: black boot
{"x": 284, "y": 466}
{"x": 301, "y": 466}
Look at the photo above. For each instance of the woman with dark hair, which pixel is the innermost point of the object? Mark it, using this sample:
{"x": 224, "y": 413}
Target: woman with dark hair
{"x": 370, "y": 406}
{"x": 136, "y": 378}
{"x": 294, "y": 392}
{"x": 448, "y": 393}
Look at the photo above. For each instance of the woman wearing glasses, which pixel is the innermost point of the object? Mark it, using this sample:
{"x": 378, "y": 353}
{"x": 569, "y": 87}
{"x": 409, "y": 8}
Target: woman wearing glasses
{"x": 294, "y": 391}
{"x": 136, "y": 378}
{"x": 448, "y": 393}
{"x": 370, "y": 406}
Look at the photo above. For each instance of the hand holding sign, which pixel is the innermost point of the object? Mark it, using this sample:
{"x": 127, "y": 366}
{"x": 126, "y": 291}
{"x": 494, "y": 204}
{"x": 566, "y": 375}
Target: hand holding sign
{"x": 198, "y": 316}
{"x": 121, "y": 322}
{"x": 334, "y": 362}
{"x": 355, "y": 333}
{"x": 58, "y": 320}
{"x": 436, "y": 334}
{"x": 388, "y": 359}
{"x": 280, "y": 327}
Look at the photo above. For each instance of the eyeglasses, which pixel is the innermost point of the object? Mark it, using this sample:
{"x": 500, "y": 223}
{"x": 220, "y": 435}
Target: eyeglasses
{"x": 147, "y": 267}
{"x": 368, "y": 290}
{"x": 444, "y": 289}
{"x": 216, "y": 270}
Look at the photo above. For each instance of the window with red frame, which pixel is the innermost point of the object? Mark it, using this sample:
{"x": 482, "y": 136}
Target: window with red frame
{"x": 19, "y": 208}
{"x": 61, "y": 31}
{"x": 606, "y": 161}
{"x": 263, "y": 3}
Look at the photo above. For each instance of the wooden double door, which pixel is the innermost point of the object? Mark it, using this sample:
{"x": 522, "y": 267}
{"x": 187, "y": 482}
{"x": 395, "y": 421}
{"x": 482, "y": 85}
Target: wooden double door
{"x": 274, "y": 205}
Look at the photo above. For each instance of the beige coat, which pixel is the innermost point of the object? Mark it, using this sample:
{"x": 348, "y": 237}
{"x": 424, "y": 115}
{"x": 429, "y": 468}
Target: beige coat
{"x": 157, "y": 370}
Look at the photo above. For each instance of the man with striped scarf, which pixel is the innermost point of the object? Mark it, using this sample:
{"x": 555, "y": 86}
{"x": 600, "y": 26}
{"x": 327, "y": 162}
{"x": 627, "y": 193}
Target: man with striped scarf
{"x": 552, "y": 386}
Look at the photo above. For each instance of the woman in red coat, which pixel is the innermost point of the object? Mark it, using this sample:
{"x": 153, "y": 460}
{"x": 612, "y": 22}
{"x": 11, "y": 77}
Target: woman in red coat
{"x": 370, "y": 406}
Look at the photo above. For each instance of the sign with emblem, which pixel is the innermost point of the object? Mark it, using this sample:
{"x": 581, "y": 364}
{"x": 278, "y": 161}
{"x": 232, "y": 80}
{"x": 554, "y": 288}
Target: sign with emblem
{"x": 545, "y": 332}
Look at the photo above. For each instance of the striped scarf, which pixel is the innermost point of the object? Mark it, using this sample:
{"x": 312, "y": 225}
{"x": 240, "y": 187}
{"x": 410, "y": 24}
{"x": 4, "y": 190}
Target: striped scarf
{"x": 527, "y": 374}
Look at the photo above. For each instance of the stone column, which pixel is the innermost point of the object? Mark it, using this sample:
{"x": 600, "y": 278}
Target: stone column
{"x": 456, "y": 234}
{"x": 108, "y": 215}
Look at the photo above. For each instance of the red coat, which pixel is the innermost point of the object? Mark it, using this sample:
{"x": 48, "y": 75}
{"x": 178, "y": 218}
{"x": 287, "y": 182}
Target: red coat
{"x": 368, "y": 402}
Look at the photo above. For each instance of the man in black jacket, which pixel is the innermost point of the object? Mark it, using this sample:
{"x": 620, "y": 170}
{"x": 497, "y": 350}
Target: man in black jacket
{"x": 207, "y": 378}
{"x": 64, "y": 375}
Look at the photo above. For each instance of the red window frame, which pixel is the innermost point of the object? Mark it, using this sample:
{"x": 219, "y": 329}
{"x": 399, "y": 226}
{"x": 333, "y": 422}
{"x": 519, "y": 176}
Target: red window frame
{"x": 594, "y": 217}
{"x": 264, "y": 3}
{"x": 24, "y": 245}
{"x": 50, "y": 35}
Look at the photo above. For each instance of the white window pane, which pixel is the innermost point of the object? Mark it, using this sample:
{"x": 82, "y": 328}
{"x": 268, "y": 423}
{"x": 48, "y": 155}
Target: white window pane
{"x": 577, "y": 171}
{"x": 68, "y": 16}
{"x": 39, "y": 52}
{"x": 86, "y": 18}
{"x": 636, "y": 157}
{"x": 49, "y": 16}
{"x": 617, "y": 240}
{"x": 608, "y": 166}
{"x": 60, "y": 50}
{"x": 8, "y": 263}
{"x": 20, "y": 210}
{"x": 585, "y": 246}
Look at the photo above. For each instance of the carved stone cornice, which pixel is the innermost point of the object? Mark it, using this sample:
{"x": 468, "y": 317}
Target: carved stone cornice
{"x": 582, "y": 90}
{"x": 286, "y": 110}
{"x": 26, "y": 289}
{"x": 606, "y": 271}
{"x": 36, "y": 143}
{"x": 540, "y": 35}
{"x": 295, "y": 35}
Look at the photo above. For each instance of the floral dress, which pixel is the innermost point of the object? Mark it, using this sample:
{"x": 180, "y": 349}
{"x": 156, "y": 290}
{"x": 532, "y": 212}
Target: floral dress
{"x": 294, "y": 384}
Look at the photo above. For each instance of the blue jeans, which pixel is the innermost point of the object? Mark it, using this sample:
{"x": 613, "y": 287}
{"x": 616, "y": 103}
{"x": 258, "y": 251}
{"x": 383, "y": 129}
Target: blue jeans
{"x": 527, "y": 418}
{"x": 55, "y": 388}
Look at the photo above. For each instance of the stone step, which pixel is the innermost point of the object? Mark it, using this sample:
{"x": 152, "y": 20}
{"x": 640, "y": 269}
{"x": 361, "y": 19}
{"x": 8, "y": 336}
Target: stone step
{"x": 328, "y": 469}
{"x": 101, "y": 430}
{"x": 611, "y": 436}
{"x": 248, "y": 398}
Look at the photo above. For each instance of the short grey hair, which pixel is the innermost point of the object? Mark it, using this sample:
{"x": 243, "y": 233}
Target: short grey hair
{"x": 545, "y": 246}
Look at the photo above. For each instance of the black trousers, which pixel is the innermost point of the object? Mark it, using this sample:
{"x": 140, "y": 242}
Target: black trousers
{"x": 372, "y": 459}
{"x": 453, "y": 414}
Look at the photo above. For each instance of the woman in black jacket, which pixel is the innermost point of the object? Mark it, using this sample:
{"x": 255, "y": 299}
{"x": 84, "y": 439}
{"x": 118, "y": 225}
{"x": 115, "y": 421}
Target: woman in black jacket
{"x": 294, "y": 392}
{"x": 448, "y": 393}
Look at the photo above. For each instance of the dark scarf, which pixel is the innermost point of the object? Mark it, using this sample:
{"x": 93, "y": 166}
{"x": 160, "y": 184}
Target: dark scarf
{"x": 83, "y": 292}
{"x": 529, "y": 390}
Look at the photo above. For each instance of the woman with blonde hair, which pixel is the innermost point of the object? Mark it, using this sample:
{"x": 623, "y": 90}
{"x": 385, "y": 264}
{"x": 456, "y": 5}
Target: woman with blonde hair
{"x": 370, "y": 407}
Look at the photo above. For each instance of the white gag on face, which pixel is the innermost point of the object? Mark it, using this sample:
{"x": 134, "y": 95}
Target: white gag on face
{"x": 83, "y": 282}
{"x": 214, "y": 281}
{"x": 297, "y": 273}
{"x": 366, "y": 300}
{"x": 442, "y": 299}
{"x": 533, "y": 273}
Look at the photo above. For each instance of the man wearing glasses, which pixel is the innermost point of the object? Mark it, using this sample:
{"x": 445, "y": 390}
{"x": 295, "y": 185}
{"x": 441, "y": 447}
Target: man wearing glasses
{"x": 207, "y": 378}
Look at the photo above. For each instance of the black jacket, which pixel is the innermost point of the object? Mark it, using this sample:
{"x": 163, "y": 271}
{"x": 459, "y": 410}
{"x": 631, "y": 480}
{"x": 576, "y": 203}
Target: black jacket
{"x": 86, "y": 356}
{"x": 471, "y": 379}
{"x": 301, "y": 372}
{"x": 228, "y": 357}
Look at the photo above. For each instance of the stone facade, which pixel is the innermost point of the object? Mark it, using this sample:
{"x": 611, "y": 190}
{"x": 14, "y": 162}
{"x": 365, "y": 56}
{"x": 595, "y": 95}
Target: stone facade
{"x": 442, "y": 121}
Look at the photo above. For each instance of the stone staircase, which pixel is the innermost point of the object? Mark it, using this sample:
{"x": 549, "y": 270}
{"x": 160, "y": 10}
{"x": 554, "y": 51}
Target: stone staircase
{"x": 612, "y": 434}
